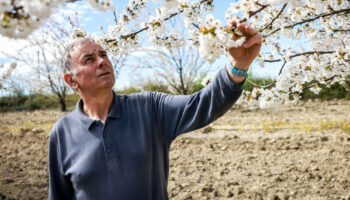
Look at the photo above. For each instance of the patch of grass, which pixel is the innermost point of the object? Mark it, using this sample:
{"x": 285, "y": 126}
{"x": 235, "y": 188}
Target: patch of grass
{"x": 273, "y": 126}
{"x": 27, "y": 126}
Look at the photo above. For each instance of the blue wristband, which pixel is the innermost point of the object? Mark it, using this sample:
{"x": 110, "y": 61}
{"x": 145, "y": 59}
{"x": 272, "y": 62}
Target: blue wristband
{"x": 237, "y": 71}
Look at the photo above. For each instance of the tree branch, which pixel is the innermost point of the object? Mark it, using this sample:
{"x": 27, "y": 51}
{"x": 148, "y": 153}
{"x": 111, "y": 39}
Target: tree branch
{"x": 274, "y": 19}
{"x": 273, "y": 82}
{"x": 337, "y": 30}
{"x": 115, "y": 17}
{"x": 132, "y": 35}
{"x": 252, "y": 13}
{"x": 302, "y": 54}
{"x": 311, "y": 19}
{"x": 312, "y": 85}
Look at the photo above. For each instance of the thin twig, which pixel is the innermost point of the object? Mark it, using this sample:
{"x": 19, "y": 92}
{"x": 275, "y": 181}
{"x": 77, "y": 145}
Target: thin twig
{"x": 277, "y": 16}
{"x": 311, "y": 19}
{"x": 195, "y": 25}
{"x": 312, "y": 85}
{"x": 337, "y": 30}
{"x": 273, "y": 82}
{"x": 132, "y": 35}
{"x": 115, "y": 17}
{"x": 281, "y": 70}
{"x": 302, "y": 54}
{"x": 252, "y": 13}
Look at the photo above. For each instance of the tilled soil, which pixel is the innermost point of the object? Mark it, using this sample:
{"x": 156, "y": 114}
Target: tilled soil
{"x": 293, "y": 152}
{"x": 274, "y": 166}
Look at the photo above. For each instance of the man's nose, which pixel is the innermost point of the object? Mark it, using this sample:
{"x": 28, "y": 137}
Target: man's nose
{"x": 101, "y": 62}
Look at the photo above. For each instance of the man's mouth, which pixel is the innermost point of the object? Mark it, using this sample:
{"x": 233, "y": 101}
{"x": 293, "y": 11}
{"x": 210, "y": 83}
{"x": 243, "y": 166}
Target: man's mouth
{"x": 104, "y": 74}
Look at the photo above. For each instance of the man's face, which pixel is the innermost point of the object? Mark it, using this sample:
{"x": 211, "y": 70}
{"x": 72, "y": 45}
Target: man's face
{"x": 93, "y": 71}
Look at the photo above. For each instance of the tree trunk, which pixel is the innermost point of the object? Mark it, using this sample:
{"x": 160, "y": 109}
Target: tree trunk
{"x": 348, "y": 84}
{"x": 182, "y": 84}
{"x": 63, "y": 104}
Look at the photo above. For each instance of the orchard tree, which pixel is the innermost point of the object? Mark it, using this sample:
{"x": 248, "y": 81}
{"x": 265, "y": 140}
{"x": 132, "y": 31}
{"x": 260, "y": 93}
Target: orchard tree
{"x": 306, "y": 21}
{"x": 181, "y": 68}
{"x": 42, "y": 51}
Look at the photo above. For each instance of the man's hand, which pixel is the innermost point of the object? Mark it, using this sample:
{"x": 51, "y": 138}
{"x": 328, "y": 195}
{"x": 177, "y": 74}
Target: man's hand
{"x": 242, "y": 57}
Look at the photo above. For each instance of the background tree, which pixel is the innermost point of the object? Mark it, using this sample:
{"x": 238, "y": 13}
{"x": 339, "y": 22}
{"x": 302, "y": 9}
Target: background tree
{"x": 180, "y": 68}
{"x": 43, "y": 52}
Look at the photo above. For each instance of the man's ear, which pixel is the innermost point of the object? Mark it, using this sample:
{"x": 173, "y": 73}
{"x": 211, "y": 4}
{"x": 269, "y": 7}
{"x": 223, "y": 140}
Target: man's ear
{"x": 70, "y": 81}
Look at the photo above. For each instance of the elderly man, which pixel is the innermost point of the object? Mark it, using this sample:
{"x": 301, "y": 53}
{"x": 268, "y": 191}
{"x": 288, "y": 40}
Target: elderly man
{"x": 117, "y": 146}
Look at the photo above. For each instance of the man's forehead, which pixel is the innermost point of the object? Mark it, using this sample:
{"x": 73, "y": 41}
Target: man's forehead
{"x": 86, "y": 48}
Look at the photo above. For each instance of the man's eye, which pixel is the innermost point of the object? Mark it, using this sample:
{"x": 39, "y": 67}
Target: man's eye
{"x": 88, "y": 59}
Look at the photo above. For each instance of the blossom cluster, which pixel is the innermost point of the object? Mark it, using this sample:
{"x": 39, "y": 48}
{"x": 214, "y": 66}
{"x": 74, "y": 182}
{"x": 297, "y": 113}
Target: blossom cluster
{"x": 131, "y": 11}
{"x": 214, "y": 39}
{"x": 315, "y": 70}
{"x": 102, "y": 5}
{"x": 19, "y": 18}
{"x": 209, "y": 35}
{"x": 171, "y": 41}
{"x": 323, "y": 25}
{"x": 119, "y": 47}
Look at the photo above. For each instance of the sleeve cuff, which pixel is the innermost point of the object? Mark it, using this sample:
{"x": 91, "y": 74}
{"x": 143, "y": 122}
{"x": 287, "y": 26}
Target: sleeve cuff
{"x": 232, "y": 85}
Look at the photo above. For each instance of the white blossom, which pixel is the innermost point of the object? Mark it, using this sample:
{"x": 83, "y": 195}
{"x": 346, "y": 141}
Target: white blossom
{"x": 102, "y": 5}
{"x": 169, "y": 5}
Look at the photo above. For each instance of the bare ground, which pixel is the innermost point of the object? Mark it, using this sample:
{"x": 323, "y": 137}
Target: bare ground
{"x": 292, "y": 152}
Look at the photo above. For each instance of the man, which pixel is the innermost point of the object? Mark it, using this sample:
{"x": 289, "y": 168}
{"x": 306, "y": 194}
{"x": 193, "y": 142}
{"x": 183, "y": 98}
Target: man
{"x": 117, "y": 147}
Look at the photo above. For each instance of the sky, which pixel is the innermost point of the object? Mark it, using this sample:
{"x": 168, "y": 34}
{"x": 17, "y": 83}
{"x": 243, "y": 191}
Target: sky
{"x": 91, "y": 20}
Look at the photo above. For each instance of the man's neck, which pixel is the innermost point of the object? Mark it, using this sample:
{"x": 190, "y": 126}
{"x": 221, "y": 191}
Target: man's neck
{"x": 96, "y": 106}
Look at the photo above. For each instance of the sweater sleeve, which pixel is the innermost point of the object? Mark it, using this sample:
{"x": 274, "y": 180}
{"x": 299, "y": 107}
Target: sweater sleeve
{"x": 60, "y": 186}
{"x": 178, "y": 114}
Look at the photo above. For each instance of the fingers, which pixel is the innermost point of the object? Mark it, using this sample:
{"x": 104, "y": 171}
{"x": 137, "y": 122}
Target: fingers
{"x": 252, "y": 36}
{"x": 255, "y": 39}
{"x": 233, "y": 23}
{"x": 245, "y": 29}
{"x": 249, "y": 30}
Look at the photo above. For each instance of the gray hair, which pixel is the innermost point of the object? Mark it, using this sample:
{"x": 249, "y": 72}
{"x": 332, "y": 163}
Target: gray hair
{"x": 67, "y": 67}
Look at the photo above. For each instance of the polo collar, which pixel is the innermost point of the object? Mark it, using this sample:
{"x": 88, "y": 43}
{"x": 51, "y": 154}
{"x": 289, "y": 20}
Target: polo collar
{"x": 115, "y": 112}
{"x": 116, "y": 109}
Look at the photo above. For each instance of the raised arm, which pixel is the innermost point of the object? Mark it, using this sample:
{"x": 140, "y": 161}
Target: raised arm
{"x": 180, "y": 114}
